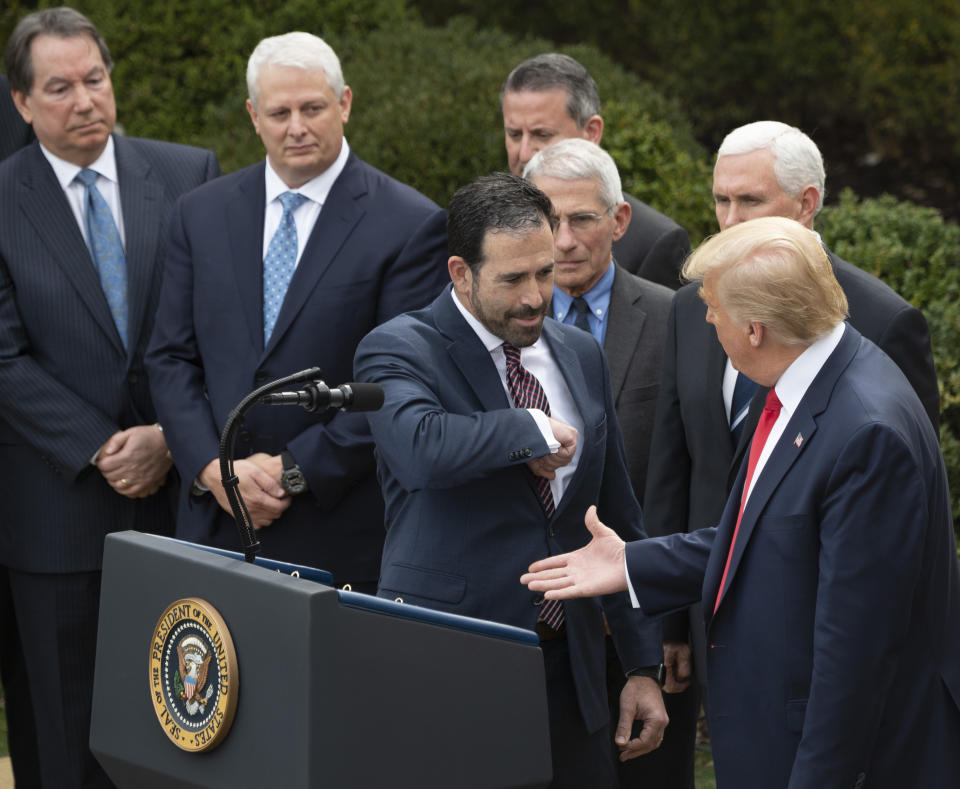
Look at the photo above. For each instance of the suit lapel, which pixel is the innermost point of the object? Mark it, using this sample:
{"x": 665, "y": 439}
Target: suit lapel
{"x": 340, "y": 214}
{"x": 624, "y": 327}
{"x": 244, "y": 219}
{"x": 46, "y": 208}
{"x": 141, "y": 197}
{"x": 796, "y": 437}
{"x": 572, "y": 371}
{"x": 469, "y": 354}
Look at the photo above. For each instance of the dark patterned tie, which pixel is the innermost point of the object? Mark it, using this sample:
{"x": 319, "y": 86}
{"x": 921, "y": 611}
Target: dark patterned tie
{"x": 106, "y": 250}
{"x": 583, "y": 309}
{"x": 527, "y": 392}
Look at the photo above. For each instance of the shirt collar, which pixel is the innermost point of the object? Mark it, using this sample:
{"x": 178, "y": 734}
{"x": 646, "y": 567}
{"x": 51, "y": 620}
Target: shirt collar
{"x": 796, "y": 379}
{"x": 490, "y": 340}
{"x": 316, "y": 189}
{"x": 597, "y": 298}
{"x": 104, "y": 166}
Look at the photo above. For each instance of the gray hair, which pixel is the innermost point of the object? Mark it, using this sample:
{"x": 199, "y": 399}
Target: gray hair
{"x": 298, "y": 50}
{"x": 63, "y": 22}
{"x": 553, "y": 70}
{"x": 577, "y": 159}
{"x": 798, "y": 162}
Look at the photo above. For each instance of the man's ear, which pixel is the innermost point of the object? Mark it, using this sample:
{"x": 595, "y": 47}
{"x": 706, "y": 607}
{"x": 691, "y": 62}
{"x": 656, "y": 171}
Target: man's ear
{"x": 755, "y": 333}
{"x": 461, "y": 276}
{"x": 809, "y": 197}
{"x": 621, "y": 219}
{"x": 593, "y": 129}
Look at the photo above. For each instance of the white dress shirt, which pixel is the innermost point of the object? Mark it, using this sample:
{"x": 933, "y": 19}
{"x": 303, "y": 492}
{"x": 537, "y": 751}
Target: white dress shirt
{"x": 540, "y": 362}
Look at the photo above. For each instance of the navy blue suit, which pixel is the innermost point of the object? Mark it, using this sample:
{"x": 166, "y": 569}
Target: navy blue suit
{"x": 834, "y": 655}
{"x": 66, "y": 385}
{"x": 378, "y": 248}
{"x": 463, "y": 518}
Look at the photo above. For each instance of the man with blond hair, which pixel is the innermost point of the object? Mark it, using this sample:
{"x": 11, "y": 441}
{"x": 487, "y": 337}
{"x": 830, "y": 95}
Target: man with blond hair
{"x": 833, "y": 567}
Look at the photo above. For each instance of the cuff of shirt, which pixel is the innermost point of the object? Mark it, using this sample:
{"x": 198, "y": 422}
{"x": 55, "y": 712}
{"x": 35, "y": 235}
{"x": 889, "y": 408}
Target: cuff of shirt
{"x": 543, "y": 423}
{"x": 633, "y": 595}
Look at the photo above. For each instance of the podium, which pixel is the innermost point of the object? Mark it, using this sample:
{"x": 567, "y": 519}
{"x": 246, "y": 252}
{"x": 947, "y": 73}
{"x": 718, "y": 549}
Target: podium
{"x": 331, "y": 688}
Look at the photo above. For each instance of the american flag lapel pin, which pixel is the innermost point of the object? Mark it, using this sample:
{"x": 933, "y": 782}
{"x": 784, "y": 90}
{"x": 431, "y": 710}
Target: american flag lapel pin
{"x": 798, "y": 440}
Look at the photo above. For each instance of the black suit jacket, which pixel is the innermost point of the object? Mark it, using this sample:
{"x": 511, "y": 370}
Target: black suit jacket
{"x": 634, "y": 342}
{"x": 66, "y": 381}
{"x": 14, "y": 133}
{"x": 654, "y": 246}
{"x": 692, "y": 460}
{"x": 378, "y": 248}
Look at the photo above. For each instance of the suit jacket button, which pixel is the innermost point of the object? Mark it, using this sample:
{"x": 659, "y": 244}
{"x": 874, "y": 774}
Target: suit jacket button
{"x": 260, "y": 376}
{"x": 527, "y": 452}
{"x": 133, "y": 378}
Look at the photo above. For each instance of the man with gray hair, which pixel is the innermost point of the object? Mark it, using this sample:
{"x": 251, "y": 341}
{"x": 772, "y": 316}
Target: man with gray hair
{"x": 831, "y": 585}
{"x": 704, "y": 421}
{"x": 628, "y": 316}
{"x": 279, "y": 267}
{"x": 552, "y": 97}
{"x": 84, "y": 215}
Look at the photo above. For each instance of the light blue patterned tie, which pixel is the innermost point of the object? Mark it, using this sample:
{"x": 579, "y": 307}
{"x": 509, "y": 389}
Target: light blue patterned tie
{"x": 280, "y": 262}
{"x": 107, "y": 250}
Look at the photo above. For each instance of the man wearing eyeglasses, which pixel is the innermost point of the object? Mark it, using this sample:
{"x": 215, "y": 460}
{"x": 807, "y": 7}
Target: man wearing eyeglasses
{"x": 626, "y": 314}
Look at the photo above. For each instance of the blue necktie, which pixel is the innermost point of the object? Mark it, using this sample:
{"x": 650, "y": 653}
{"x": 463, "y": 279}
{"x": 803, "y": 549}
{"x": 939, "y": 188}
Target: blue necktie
{"x": 743, "y": 392}
{"x": 107, "y": 250}
{"x": 280, "y": 262}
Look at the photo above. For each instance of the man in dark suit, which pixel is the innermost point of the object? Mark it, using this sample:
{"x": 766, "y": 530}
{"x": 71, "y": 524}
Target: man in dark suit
{"x": 626, "y": 314}
{"x": 22, "y": 739}
{"x": 763, "y": 169}
{"x": 493, "y": 439}
{"x": 14, "y": 133}
{"x": 552, "y": 97}
{"x": 281, "y": 266}
{"x": 84, "y": 216}
{"x": 831, "y": 584}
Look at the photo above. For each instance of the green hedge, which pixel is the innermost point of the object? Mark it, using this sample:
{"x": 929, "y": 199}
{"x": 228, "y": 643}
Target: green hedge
{"x": 914, "y": 251}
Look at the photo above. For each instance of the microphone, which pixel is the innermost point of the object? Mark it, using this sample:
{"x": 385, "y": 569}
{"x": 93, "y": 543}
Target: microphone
{"x": 317, "y": 396}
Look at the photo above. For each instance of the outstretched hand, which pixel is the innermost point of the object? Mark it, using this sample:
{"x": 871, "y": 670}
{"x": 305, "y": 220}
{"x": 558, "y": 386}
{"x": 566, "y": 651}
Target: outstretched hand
{"x": 596, "y": 569}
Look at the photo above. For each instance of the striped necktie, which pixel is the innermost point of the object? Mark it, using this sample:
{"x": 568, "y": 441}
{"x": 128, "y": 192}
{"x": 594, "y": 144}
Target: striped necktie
{"x": 527, "y": 392}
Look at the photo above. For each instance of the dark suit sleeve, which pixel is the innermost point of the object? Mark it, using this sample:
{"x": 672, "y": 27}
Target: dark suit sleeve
{"x": 65, "y": 428}
{"x": 906, "y": 340}
{"x": 175, "y": 364}
{"x": 337, "y": 453}
{"x": 667, "y": 494}
{"x": 424, "y": 444}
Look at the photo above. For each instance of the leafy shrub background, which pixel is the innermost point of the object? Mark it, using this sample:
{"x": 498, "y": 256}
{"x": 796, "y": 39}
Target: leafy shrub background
{"x": 426, "y": 106}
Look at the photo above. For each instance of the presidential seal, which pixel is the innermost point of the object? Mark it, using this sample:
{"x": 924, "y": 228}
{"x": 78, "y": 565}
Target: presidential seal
{"x": 193, "y": 675}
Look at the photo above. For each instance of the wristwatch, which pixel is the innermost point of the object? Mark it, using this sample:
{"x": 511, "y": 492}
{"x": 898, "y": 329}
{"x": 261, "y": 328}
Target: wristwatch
{"x": 658, "y": 673}
{"x": 292, "y": 478}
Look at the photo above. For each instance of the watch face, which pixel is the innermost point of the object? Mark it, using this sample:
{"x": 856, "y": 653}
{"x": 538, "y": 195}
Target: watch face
{"x": 293, "y": 481}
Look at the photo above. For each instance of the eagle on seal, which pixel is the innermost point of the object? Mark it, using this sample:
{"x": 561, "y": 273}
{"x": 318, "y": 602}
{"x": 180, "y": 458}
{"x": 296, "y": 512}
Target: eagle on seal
{"x": 194, "y": 673}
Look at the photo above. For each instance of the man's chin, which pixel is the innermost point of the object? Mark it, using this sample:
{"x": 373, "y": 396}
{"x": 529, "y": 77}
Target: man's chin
{"x": 522, "y": 336}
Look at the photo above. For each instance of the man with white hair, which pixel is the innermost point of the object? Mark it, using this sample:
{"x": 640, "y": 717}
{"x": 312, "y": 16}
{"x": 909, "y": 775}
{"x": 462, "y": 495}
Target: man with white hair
{"x": 626, "y": 314}
{"x": 702, "y": 427}
{"x": 830, "y": 585}
{"x": 279, "y": 267}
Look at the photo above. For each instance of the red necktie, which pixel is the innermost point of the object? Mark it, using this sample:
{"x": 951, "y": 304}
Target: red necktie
{"x": 771, "y": 410}
{"x": 527, "y": 392}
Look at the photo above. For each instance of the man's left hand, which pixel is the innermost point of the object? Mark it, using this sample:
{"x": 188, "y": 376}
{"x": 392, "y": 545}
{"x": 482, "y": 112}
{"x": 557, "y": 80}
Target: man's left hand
{"x": 640, "y": 700}
{"x": 135, "y": 461}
